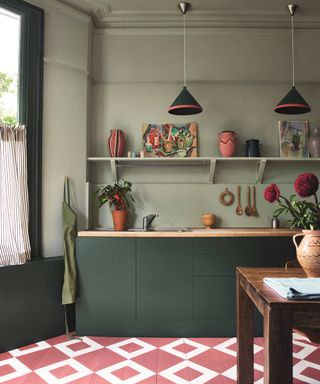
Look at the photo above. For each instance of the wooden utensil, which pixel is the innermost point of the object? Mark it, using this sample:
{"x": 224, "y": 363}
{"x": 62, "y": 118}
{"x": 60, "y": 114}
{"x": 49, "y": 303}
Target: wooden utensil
{"x": 254, "y": 211}
{"x": 239, "y": 210}
{"x": 247, "y": 210}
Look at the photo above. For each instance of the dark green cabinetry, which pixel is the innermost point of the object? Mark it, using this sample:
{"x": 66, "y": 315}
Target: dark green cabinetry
{"x": 164, "y": 279}
{"x": 107, "y": 282}
{"x": 166, "y": 286}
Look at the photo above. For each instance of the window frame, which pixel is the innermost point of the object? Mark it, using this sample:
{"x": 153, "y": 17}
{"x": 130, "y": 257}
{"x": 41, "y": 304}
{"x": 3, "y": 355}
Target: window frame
{"x": 31, "y": 107}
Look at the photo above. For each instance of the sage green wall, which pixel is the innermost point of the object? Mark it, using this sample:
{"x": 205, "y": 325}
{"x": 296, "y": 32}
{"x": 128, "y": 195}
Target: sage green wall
{"x": 67, "y": 59}
{"x": 237, "y": 75}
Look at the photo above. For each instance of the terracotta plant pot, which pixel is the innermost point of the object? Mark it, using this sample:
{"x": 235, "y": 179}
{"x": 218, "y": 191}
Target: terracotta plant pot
{"x": 119, "y": 220}
{"x": 308, "y": 252}
{"x": 227, "y": 143}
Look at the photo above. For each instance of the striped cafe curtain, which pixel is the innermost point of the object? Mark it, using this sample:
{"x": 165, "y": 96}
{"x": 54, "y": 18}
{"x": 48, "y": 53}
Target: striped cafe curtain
{"x": 14, "y": 204}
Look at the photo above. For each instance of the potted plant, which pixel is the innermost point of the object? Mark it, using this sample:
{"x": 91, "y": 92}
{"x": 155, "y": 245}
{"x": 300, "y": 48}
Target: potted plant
{"x": 305, "y": 214}
{"x": 120, "y": 202}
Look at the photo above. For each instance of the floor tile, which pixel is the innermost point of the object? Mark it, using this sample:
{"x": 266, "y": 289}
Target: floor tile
{"x": 115, "y": 360}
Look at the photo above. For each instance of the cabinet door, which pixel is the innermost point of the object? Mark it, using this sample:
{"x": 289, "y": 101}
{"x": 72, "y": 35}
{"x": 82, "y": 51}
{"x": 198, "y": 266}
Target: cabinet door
{"x": 106, "y": 269}
{"x": 164, "y": 279}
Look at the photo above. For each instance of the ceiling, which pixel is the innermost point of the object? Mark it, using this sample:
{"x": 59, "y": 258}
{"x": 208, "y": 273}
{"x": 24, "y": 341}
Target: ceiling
{"x": 146, "y": 13}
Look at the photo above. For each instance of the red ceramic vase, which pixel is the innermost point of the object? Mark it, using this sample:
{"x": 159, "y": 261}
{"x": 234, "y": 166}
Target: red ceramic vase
{"x": 227, "y": 143}
{"x": 117, "y": 142}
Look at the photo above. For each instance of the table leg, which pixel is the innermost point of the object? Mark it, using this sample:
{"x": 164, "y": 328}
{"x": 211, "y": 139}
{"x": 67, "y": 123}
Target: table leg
{"x": 277, "y": 346}
{"x": 244, "y": 335}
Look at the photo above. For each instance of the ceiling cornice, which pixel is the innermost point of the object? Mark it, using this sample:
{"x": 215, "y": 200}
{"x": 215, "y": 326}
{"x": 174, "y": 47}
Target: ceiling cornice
{"x": 105, "y": 17}
{"x": 62, "y": 8}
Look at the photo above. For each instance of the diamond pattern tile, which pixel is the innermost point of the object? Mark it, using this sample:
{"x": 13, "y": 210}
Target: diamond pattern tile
{"x": 115, "y": 360}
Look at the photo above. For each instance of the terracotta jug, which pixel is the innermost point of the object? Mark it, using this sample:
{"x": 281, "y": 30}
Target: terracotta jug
{"x": 227, "y": 143}
{"x": 117, "y": 142}
{"x": 308, "y": 252}
{"x": 119, "y": 220}
{"x": 314, "y": 142}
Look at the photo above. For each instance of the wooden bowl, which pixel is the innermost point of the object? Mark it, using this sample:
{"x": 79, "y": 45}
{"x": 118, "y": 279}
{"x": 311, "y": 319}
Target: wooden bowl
{"x": 208, "y": 220}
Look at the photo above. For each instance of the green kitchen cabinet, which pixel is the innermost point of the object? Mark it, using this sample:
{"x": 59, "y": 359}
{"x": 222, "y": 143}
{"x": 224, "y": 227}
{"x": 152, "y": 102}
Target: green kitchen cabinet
{"x": 107, "y": 281}
{"x": 164, "y": 279}
{"x": 164, "y": 286}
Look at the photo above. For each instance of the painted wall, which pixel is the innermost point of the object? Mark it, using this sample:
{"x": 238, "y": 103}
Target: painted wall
{"x": 65, "y": 116}
{"x": 237, "y": 75}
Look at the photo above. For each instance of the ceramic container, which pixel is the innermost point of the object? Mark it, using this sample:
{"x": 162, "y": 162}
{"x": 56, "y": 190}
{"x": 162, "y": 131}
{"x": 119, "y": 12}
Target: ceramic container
{"x": 117, "y": 142}
{"x": 227, "y": 143}
{"x": 314, "y": 142}
{"x": 308, "y": 252}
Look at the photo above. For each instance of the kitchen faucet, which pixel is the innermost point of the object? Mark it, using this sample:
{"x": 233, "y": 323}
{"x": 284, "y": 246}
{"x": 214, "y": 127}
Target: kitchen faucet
{"x": 147, "y": 220}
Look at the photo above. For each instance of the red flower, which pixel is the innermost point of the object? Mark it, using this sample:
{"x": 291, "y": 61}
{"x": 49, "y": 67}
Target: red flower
{"x": 306, "y": 184}
{"x": 272, "y": 193}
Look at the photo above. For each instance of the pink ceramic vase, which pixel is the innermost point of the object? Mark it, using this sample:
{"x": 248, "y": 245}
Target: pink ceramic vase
{"x": 227, "y": 143}
{"x": 117, "y": 142}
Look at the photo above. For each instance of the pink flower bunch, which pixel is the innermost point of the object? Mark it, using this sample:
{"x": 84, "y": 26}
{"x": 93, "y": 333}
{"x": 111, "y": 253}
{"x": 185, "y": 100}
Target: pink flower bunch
{"x": 305, "y": 214}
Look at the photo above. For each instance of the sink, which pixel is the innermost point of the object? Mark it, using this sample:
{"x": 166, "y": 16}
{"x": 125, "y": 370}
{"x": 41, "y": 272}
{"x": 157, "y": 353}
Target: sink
{"x": 160, "y": 229}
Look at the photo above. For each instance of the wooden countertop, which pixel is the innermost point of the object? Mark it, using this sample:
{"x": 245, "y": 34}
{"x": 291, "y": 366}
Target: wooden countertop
{"x": 196, "y": 232}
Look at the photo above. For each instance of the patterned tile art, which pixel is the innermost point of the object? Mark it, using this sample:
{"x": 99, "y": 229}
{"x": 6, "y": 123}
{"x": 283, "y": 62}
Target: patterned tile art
{"x": 111, "y": 360}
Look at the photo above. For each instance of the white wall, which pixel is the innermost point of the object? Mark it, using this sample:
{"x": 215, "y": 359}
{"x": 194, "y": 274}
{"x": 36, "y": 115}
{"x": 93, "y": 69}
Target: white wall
{"x": 66, "y": 86}
{"x": 237, "y": 75}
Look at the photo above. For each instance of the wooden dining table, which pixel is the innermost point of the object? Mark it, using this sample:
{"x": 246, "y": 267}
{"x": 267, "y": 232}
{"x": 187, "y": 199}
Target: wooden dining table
{"x": 280, "y": 317}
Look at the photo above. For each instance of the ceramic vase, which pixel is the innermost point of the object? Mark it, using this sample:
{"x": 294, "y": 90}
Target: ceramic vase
{"x": 117, "y": 142}
{"x": 227, "y": 143}
{"x": 308, "y": 252}
{"x": 314, "y": 142}
{"x": 119, "y": 220}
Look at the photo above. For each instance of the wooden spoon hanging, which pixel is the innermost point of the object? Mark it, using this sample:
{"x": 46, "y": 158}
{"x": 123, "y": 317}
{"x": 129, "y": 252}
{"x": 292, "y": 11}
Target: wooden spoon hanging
{"x": 247, "y": 210}
{"x": 254, "y": 211}
{"x": 239, "y": 210}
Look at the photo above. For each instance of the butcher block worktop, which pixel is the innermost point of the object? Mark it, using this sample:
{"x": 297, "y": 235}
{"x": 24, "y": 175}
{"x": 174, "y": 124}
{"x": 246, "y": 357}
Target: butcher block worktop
{"x": 192, "y": 232}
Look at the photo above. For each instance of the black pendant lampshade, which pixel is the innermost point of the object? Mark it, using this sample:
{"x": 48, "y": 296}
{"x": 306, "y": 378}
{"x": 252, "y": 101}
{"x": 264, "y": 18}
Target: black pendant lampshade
{"x": 185, "y": 103}
{"x": 293, "y": 103}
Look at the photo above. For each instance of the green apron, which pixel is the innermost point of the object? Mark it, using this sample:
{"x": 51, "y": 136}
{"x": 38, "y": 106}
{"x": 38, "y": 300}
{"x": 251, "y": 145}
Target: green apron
{"x": 69, "y": 227}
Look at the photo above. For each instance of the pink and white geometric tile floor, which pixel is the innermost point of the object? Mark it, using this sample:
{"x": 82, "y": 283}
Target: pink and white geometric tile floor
{"x": 115, "y": 360}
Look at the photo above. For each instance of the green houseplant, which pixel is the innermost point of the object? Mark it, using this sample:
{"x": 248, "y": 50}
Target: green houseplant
{"x": 120, "y": 200}
{"x": 305, "y": 214}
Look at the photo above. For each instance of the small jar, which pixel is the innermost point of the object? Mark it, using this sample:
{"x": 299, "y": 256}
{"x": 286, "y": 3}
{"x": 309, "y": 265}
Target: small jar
{"x": 275, "y": 222}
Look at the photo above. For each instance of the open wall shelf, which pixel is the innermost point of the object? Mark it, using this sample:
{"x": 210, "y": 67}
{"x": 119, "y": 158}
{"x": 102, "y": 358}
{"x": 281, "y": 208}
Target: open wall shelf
{"x": 220, "y": 170}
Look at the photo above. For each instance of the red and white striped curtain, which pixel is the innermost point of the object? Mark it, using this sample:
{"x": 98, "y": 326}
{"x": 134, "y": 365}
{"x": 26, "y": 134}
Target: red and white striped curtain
{"x": 14, "y": 203}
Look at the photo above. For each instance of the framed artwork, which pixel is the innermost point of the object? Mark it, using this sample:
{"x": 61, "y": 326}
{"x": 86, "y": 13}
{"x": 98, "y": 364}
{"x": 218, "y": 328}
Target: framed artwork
{"x": 170, "y": 140}
{"x": 293, "y": 139}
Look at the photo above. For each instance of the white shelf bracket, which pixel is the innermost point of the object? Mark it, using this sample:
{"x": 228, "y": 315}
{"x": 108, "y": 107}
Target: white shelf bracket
{"x": 114, "y": 170}
{"x": 260, "y": 171}
{"x": 212, "y": 170}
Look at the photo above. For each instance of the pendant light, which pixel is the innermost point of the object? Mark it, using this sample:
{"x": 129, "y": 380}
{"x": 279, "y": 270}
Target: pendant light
{"x": 293, "y": 103}
{"x": 185, "y": 103}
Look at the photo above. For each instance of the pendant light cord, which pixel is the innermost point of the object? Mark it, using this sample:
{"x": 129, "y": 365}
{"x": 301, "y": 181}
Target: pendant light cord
{"x": 184, "y": 50}
{"x": 292, "y": 51}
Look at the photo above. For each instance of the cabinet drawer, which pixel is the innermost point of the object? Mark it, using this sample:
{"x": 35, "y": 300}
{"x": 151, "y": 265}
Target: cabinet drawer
{"x": 225, "y": 264}
{"x": 244, "y": 245}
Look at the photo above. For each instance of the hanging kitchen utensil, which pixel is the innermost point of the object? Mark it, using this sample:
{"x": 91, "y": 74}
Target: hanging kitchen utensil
{"x": 226, "y": 197}
{"x": 239, "y": 210}
{"x": 247, "y": 210}
{"x": 254, "y": 211}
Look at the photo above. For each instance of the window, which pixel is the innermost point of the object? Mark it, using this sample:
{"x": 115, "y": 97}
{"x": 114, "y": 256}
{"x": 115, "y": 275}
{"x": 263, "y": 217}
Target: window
{"x": 10, "y": 25}
{"x": 29, "y": 83}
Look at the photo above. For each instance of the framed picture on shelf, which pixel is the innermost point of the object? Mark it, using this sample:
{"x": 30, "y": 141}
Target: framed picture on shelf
{"x": 294, "y": 139}
{"x": 170, "y": 140}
